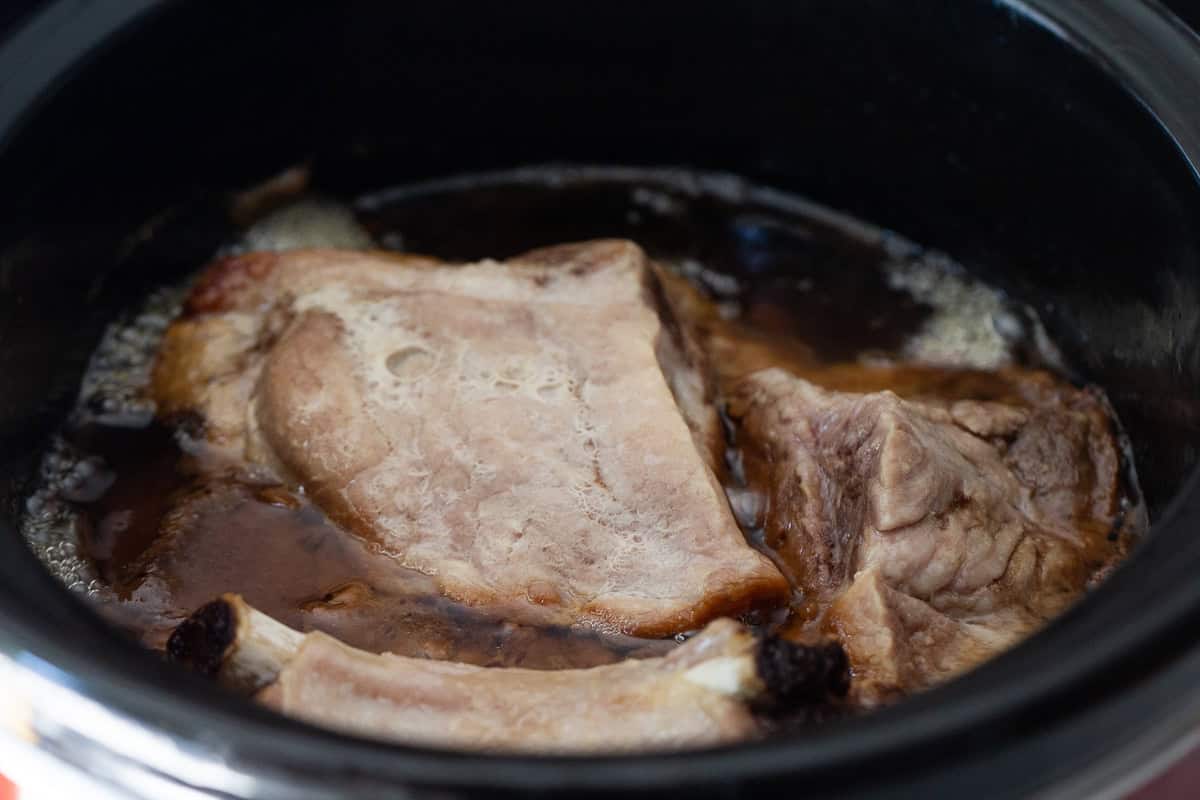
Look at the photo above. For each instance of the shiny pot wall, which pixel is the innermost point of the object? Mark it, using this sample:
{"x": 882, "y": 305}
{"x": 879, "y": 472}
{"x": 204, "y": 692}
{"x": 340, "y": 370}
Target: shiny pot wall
{"x": 1051, "y": 146}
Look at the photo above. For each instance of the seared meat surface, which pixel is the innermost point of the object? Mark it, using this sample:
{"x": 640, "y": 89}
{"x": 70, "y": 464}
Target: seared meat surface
{"x": 930, "y": 534}
{"x": 536, "y": 435}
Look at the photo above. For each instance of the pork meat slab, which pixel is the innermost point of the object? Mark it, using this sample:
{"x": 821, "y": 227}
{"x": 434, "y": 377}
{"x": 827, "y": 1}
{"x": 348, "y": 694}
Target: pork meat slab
{"x": 930, "y": 535}
{"x": 534, "y": 434}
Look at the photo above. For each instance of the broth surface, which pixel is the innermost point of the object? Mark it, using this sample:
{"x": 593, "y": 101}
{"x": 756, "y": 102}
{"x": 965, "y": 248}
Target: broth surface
{"x": 128, "y": 511}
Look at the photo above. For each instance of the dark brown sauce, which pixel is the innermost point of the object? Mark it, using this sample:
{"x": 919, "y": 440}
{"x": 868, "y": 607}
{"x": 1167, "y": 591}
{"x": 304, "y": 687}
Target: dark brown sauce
{"x": 793, "y": 269}
{"x": 169, "y": 538}
{"x": 166, "y": 539}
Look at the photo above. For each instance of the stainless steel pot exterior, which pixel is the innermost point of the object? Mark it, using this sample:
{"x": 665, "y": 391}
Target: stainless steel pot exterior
{"x": 79, "y": 697}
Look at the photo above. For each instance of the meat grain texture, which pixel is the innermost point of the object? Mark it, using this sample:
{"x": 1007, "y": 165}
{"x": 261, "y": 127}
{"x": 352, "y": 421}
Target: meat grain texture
{"x": 931, "y": 534}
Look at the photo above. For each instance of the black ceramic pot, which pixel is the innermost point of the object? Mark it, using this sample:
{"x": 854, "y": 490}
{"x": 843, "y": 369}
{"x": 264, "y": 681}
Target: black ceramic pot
{"x": 1052, "y": 146}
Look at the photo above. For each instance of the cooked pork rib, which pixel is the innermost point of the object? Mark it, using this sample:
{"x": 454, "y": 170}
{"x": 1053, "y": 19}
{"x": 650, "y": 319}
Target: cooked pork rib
{"x": 936, "y": 534}
{"x": 700, "y": 694}
{"x": 533, "y": 434}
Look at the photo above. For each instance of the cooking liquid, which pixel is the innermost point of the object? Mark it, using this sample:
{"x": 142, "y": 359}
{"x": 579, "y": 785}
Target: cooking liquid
{"x": 158, "y": 535}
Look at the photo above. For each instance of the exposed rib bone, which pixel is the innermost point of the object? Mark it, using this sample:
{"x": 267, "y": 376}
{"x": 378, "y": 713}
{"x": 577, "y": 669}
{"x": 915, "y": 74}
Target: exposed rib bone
{"x": 704, "y": 692}
{"x": 234, "y": 642}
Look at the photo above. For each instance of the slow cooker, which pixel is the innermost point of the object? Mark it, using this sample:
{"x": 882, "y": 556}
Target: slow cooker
{"x": 1052, "y": 146}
